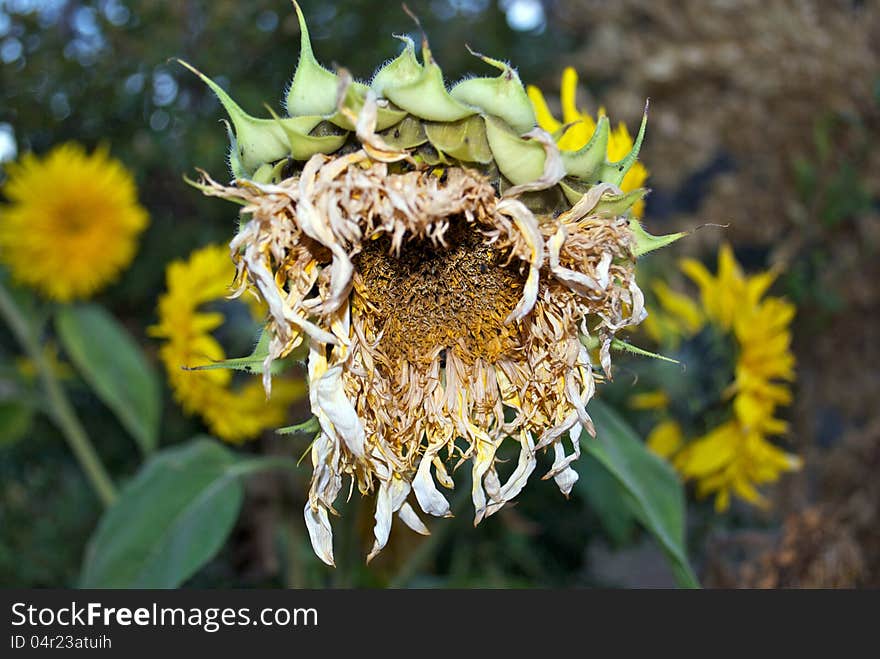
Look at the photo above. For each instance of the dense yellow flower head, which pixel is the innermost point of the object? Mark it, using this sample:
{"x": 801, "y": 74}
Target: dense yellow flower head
{"x": 736, "y": 455}
{"x": 577, "y": 127}
{"x": 72, "y": 221}
{"x": 233, "y": 414}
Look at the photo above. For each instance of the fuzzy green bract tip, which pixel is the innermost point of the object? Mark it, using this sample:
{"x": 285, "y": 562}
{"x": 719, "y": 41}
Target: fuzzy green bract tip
{"x": 480, "y": 122}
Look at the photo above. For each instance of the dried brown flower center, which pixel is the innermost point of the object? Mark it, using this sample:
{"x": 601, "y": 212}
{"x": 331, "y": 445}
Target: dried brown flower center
{"x": 433, "y": 297}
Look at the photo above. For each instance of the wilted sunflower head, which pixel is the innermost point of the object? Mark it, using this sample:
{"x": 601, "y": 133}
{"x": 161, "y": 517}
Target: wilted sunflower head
{"x": 445, "y": 265}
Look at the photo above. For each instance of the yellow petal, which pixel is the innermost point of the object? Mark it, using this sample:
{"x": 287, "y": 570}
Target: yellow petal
{"x": 746, "y": 490}
{"x": 649, "y": 400}
{"x": 620, "y": 142}
{"x": 757, "y": 285}
{"x": 680, "y": 306}
{"x": 711, "y": 452}
{"x": 665, "y": 439}
{"x": 545, "y": 118}
{"x": 568, "y": 95}
{"x": 577, "y": 135}
{"x": 722, "y": 500}
{"x": 752, "y": 410}
{"x": 706, "y": 282}
{"x": 728, "y": 268}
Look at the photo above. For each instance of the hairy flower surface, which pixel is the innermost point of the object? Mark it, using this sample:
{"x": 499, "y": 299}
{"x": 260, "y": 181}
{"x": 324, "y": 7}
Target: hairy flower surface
{"x": 231, "y": 413}
{"x": 445, "y": 265}
{"x": 736, "y": 455}
{"x": 72, "y": 222}
{"x": 578, "y": 128}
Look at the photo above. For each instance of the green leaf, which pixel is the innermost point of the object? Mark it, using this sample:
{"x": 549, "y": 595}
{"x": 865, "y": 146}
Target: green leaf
{"x": 607, "y": 499}
{"x": 171, "y": 519}
{"x": 115, "y": 368}
{"x": 653, "y": 491}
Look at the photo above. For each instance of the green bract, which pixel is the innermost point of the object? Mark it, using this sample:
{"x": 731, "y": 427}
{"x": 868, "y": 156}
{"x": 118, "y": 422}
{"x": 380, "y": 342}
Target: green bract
{"x": 481, "y": 122}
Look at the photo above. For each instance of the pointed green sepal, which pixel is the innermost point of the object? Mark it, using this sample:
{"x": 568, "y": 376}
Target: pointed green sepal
{"x": 586, "y": 163}
{"x": 302, "y": 144}
{"x": 257, "y": 140}
{"x": 408, "y": 134}
{"x": 271, "y": 173}
{"x": 614, "y": 172}
{"x": 618, "y": 344}
{"x": 308, "y": 427}
{"x": 235, "y": 164}
{"x": 503, "y": 96}
{"x": 645, "y": 242}
{"x": 521, "y": 161}
{"x": 402, "y": 70}
{"x": 464, "y": 140}
{"x": 263, "y": 174}
{"x": 354, "y": 100}
{"x": 313, "y": 88}
{"x": 426, "y": 97}
{"x": 573, "y": 190}
{"x": 253, "y": 363}
{"x": 609, "y": 205}
{"x": 615, "y": 205}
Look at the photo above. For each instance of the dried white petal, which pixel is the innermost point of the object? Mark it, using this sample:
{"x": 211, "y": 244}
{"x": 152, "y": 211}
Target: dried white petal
{"x": 429, "y": 497}
{"x": 409, "y": 517}
{"x": 320, "y": 533}
{"x": 392, "y": 495}
{"x": 563, "y": 474}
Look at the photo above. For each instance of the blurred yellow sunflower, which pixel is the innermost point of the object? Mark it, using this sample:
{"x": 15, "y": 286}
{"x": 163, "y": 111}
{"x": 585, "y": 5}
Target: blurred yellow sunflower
{"x": 231, "y": 413}
{"x": 577, "y": 127}
{"x": 72, "y": 221}
{"x": 744, "y": 339}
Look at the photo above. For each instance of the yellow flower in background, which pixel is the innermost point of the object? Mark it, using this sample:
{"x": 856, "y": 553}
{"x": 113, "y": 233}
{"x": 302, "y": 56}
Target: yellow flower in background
{"x": 72, "y": 221}
{"x": 581, "y": 126}
{"x": 233, "y": 414}
{"x": 27, "y": 368}
{"x": 735, "y": 456}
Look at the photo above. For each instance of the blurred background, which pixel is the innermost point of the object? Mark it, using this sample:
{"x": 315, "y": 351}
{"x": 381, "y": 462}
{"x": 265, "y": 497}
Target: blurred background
{"x": 764, "y": 117}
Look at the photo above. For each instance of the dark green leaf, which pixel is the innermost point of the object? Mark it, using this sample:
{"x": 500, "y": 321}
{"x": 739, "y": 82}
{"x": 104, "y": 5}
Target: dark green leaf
{"x": 115, "y": 368}
{"x": 168, "y": 521}
{"x": 653, "y": 490}
{"x": 607, "y": 499}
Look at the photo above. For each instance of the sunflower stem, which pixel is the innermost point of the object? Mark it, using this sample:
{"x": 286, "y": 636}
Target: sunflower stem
{"x": 60, "y": 408}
